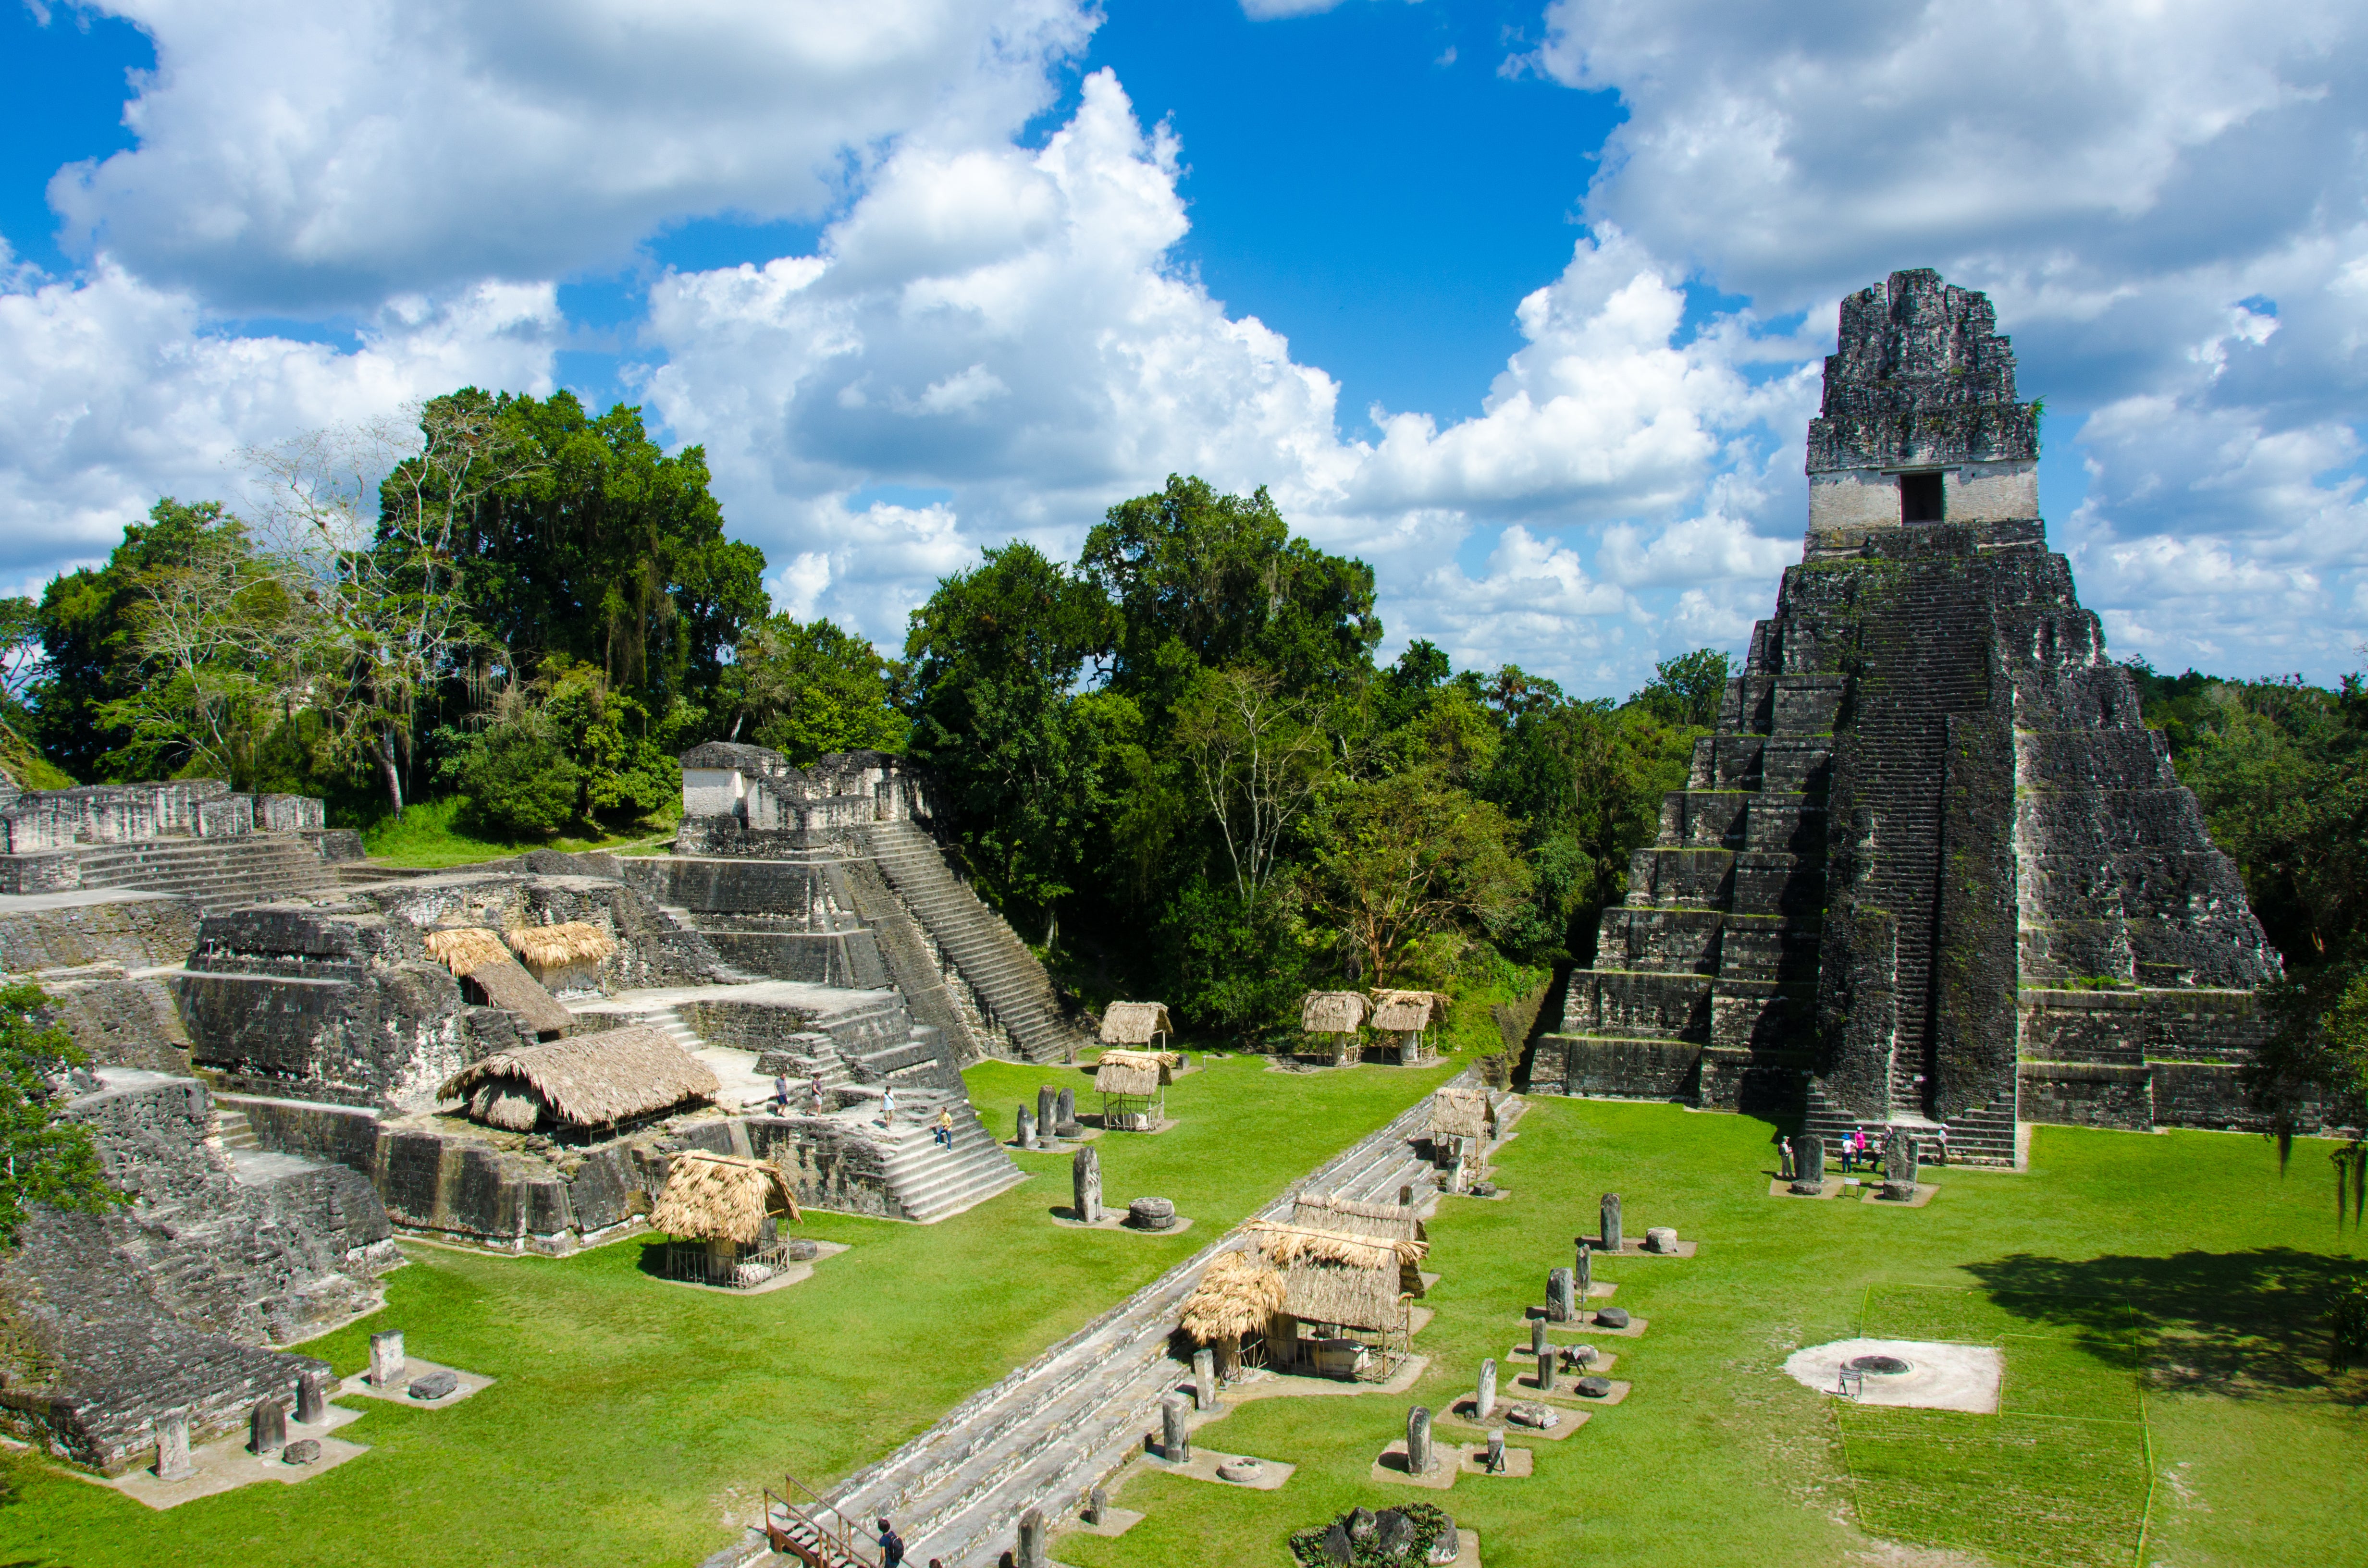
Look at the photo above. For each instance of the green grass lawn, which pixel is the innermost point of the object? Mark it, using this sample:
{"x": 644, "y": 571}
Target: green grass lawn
{"x": 634, "y": 1421}
{"x": 432, "y": 834}
{"x": 2156, "y": 1300}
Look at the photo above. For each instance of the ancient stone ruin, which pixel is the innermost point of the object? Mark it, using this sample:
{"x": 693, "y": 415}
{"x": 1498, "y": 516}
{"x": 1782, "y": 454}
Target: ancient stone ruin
{"x": 295, "y": 1055}
{"x": 1932, "y": 868}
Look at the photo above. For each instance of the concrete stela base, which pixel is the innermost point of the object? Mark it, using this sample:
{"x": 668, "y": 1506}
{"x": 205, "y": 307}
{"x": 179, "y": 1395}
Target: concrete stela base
{"x": 1924, "y": 1191}
{"x": 1519, "y": 1463}
{"x": 1596, "y": 1291}
{"x": 468, "y": 1383}
{"x": 1202, "y": 1466}
{"x": 1115, "y": 1522}
{"x": 1634, "y": 1246}
{"x": 1392, "y": 1466}
{"x": 1571, "y": 1421}
{"x": 1116, "y": 1220}
{"x": 225, "y": 1465}
{"x": 1565, "y": 1394}
{"x": 1519, "y": 1356}
{"x": 1779, "y": 1187}
{"x": 1574, "y": 1332}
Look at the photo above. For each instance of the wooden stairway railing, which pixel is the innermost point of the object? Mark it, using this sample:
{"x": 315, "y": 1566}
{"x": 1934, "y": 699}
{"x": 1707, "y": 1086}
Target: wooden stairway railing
{"x": 796, "y": 1530}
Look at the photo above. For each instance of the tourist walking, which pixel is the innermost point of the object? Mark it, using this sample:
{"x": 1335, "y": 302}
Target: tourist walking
{"x": 945, "y": 1133}
{"x": 891, "y": 1545}
{"x": 814, "y": 1092}
{"x": 888, "y": 1107}
{"x": 1944, "y": 1143}
{"x": 1784, "y": 1158}
{"x": 781, "y": 1093}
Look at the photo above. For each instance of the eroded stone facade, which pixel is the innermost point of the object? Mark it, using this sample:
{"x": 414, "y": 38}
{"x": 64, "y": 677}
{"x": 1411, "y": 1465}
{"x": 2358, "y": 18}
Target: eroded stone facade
{"x": 1931, "y": 867}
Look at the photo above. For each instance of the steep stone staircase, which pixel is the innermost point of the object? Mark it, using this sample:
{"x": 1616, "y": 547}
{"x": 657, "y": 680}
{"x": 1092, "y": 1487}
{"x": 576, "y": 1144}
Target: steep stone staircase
{"x": 213, "y": 873}
{"x": 1986, "y": 1136}
{"x": 1045, "y": 1433}
{"x": 231, "y": 1132}
{"x": 1010, "y": 986}
{"x": 1930, "y": 669}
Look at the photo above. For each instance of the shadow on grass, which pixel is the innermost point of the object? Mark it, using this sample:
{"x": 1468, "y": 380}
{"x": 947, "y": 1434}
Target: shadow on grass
{"x": 2235, "y": 1323}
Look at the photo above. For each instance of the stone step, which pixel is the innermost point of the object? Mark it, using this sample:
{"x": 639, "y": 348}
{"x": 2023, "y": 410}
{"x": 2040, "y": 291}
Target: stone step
{"x": 231, "y": 1130}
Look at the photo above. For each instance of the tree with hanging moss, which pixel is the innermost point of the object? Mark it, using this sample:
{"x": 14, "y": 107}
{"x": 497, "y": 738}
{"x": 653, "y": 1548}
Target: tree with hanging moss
{"x": 44, "y": 1159}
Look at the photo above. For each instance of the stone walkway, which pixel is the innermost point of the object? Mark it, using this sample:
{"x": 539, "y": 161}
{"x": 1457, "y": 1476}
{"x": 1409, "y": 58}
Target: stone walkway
{"x": 1050, "y": 1430}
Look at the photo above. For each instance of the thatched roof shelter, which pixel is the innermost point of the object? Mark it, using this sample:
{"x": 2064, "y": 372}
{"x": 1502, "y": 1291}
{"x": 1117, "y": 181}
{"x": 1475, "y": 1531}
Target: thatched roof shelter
{"x": 474, "y": 954}
{"x": 1401, "y": 1011}
{"x": 720, "y": 1198}
{"x": 565, "y": 946}
{"x": 583, "y": 1081}
{"x": 1366, "y": 1298}
{"x": 1383, "y": 1222}
{"x": 1331, "y": 1012}
{"x": 1238, "y": 1294}
{"x": 1463, "y": 1113}
{"x": 1336, "y": 1232}
{"x": 1134, "y": 1023}
{"x": 1136, "y": 1072}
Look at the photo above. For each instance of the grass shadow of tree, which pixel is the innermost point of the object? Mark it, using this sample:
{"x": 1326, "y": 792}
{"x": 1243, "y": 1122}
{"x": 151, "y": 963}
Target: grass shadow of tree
{"x": 2237, "y": 1323}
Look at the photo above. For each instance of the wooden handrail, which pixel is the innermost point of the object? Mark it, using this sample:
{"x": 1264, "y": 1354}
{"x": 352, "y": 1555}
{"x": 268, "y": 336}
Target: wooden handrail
{"x": 839, "y": 1536}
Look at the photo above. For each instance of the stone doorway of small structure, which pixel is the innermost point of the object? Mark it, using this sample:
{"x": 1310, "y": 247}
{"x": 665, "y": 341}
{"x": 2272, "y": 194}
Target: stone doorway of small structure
{"x": 1921, "y": 497}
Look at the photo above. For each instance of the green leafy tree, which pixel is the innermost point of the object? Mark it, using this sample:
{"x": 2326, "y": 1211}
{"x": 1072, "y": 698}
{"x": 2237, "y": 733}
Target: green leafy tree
{"x": 44, "y": 1159}
{"x": 809, "y": 688}
{"x": 520, "y": 780}
{"x": 89, "y": 652}
{"x": 997, "y": 653}
{"x": 1409, "y": 862}
{"x": 1222, "y": 581}
{"x": 1686, "y": 689}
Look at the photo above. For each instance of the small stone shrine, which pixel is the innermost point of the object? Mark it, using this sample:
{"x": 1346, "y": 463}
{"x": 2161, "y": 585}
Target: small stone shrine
{"x": 1929, "y": 695}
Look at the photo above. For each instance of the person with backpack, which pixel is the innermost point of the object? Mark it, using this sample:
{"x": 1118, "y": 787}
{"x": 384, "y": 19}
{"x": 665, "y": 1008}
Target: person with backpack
{"x": 891, "y": 1545}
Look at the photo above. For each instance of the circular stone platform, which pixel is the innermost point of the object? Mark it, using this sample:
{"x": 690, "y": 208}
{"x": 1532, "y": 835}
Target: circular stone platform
{"x": 1934, "y": 1375}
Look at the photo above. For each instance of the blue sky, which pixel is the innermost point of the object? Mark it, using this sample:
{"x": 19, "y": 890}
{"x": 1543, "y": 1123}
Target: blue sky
{"x": 1521, "y": 302}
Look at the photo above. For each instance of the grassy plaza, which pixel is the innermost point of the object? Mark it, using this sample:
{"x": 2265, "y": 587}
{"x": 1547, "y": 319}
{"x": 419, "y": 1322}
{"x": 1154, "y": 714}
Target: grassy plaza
{"x": 2158, "y": 1300}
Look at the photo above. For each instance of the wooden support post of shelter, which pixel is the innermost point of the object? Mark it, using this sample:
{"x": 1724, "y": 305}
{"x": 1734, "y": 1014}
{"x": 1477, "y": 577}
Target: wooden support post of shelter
{"x": 1338, "y": 1014}
{"x": 1406, "y": 1014}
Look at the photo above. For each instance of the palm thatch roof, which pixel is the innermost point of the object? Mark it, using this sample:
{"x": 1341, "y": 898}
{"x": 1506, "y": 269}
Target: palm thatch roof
{"x": 1463, "y": 1113}
{"x": 1331, "y": 1012}
{"x": 1134, "y": 1023}
{"x": 1238, "y": 1292}
{"x": 1136, "y": 1072}
{"x": 477, "y": 956}
{"x": 1368, "y": 1299}
{"x": 1383, "y": 1222}
{"x": 720, "y": 1198}
{"x": 593, "y": 1080}
{"x": 562, "y": 945}
{"x": 465, "y": 949}
{"x": 1403, "y": 1010}
{"x": 1288, "y": 1245}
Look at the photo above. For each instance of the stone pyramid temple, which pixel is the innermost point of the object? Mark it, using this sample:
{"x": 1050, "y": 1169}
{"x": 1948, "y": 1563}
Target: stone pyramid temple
{"x": 1931, "y": 867}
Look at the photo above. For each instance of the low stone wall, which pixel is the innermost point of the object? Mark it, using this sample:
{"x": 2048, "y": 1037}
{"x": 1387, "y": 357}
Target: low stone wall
{"x": 1625, "y": 1069}
{"x": 137, "y": 930}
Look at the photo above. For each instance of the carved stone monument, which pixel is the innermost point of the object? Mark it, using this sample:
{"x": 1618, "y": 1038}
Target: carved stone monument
{"x": 1537, "y": 1336}
{"x": 1026, "y": 1136}
{"x": 1809, "y": 1161}
{"x": 1176, "y": 1429}
{"x": 267, "y": 1427}
{"x": 1085, "y": 1186}
{"x": 1031, "y": 1539}
{"x": 1899, "y": 1166}
{"x": 1546, "y": 1370}
{"x": 1097, "y": 1506}
{"x": 1064, "y": 1112}
{"x": 1420, "y": 1459}
{"x": 1485, "y": 1400}
{"x": 173, "y": 1446}
{"x": 1205, "y": 1378}
{"x": 1561, "y": 1304}
{"x": 1496, "y": 1451}
{"x": 386, "y": 1359}
{"x": 312, "y": 1395}
{"x": 1611, "y": 1230}
{"x": 1582, "y": 1273}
